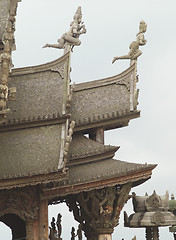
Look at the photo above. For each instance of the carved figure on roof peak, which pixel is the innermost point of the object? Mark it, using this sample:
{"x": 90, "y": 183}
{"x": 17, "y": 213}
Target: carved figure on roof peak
{"x": 71, "y": 38}
{"x": 134, "y": 52}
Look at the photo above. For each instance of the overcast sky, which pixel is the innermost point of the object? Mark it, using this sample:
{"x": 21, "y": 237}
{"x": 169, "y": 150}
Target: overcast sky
{"x": 111, "y": 26}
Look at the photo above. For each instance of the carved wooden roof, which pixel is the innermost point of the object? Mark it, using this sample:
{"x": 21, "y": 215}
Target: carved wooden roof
{"x": 41, "y": 92}
{"x": 110, "y": 102}
{"x": 33, "y": 139}
{"x": 30, "y": 151}
{"x": 100, "y": 174}
{"x": 34, "y": 153}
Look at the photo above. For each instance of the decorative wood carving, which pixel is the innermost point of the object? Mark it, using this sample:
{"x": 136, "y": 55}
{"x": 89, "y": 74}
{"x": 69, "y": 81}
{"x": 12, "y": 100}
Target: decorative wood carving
{"x": 59, "y": 69}
{"x": 23, "y": 203}
{"x": 125, "y": 82}
{"x": 6, "y": 59}
{"x": 98, "y": 211}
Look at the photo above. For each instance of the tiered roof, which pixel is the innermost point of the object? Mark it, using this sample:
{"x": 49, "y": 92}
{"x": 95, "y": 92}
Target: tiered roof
{"x": 36, "y": 142}
{"x": 110, "y": 102}
{"x": 34, "y": 135}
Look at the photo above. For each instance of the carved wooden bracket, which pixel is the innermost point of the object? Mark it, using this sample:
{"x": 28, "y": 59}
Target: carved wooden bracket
{"x": 98, "y": 211}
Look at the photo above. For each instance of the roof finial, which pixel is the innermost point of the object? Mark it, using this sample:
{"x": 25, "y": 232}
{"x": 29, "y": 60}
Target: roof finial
{"x": 71, "y": 38}
{"x": 134, "y": 52}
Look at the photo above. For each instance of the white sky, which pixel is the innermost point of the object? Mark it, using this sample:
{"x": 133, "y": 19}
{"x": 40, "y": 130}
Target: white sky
{"x": 111, "y": 26}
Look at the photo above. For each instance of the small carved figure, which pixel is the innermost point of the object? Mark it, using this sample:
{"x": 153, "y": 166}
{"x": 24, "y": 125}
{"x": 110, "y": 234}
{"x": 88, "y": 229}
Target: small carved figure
{"x": 69, "y": 97}
{"x": 53, "y": 231}
{"x": 59, "y": 226}
{"x": 73, "y": 234}
{"x": 109, "y": 201}
{"x": 6, "y": 63}
{"x": 72, "y": 36}
{"x": 68, "y": 139}
{"x": 53, "y": 224}
{"x": 134, "y": 52}
{"x": 79, "y": 232}
{"x": 70, "y": 131}
{"x": 3, "y": 96}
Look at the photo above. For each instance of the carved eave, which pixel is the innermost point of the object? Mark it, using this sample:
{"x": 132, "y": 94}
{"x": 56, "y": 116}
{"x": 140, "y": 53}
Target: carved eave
{"x": 108, "y": 103}
{"x": 34, "y": 122}
{"x": 20, "y": 182}
{"x": 106, "y": 121}
{"x": 53, "y": 66}
{"x": 92, "y": 178}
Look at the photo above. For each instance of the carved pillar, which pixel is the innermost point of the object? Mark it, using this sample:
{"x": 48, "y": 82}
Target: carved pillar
{"x": 155, "y": 233}
{"x": 30, "y": 230}
{"x": 148, "y": 232}
{"x": 152, "y": 233}
{"x": 43, "y": 219}
{"x": 98, "y": 211}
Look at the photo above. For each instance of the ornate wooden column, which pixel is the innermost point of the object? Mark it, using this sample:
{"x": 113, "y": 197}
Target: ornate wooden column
{"x": 148, "y": 233}
{"x": 43, "y": 219}
{"x": 31, "y": 232}
{"x": 98, "y": 210}
{"x": 152, "y": 233}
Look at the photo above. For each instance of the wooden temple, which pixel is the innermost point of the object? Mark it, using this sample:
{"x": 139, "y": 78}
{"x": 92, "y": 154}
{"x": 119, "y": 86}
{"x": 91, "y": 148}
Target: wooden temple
{"x": 52, "y": 141}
